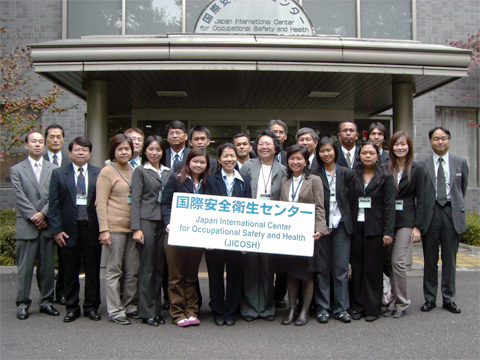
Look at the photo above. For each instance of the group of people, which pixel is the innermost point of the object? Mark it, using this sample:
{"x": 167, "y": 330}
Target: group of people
{"x": 370, "y": 204}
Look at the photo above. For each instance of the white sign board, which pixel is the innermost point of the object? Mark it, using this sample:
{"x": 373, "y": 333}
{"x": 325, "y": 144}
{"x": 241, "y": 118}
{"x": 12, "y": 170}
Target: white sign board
{"x": 242, "y": 224}
{"x": 267, "y": 17}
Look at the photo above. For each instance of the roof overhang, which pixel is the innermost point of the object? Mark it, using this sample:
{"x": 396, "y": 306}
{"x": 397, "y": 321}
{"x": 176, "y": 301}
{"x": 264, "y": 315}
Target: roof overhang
{"x": 362, "y": 70}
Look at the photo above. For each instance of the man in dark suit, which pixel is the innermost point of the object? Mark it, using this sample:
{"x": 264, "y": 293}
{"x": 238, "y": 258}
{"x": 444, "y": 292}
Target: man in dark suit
{"x": 34, "y": 241}
{"x": 280, "y": 129}
{"x": 444, "y": 218}
{"x": 309, "y": 138}
{"x": 74, "y": 223}
{"x": 348, "y": 151}
{"x": 377, "y": 133}
{"x": 55, "y": 138}
{"x": 177, "y": 137}
{"x": 199, "y": 136}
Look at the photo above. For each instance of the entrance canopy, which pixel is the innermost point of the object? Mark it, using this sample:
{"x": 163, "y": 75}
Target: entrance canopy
{"x": 248, "y": 71}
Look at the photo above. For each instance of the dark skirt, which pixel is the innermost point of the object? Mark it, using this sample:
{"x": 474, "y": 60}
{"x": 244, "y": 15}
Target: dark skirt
{"x": 300, "y": 267}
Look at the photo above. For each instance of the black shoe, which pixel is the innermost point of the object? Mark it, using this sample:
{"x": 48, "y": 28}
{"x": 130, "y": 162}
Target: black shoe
{"x": 159, "y": 320}
{"x": 399, "y": 314}
{"x": 219, "y": 322}
{"x": 248, "y": 318}
{"x": 371, "y": 318}
{"x": 389, "y": 313}
{"x": 343, "y": 317}
{"x": 134, "y": 315}
{"x": 291, "y": 317}
{"x": 269, "y": 318}
{"x": 356, "y": 315}
{"x": 229, "y": 322}
{"x": 49, "y": 310}
{"x": 166, "y": 305}
{"x": 92, "y": 315}
{"x": 61, "y": 301}
{"x": 452, "y": 307}
{"x": 71, "y": 316}
{"x": 151, "y": 322}
{"x": 280, "y": 304}
{"x": 428, "y": 306}
{"x": 122, "y": 320}
{"x": 322, "y": 318}
{"x": 303, "y": 317}
{"x": 22, "y": 313}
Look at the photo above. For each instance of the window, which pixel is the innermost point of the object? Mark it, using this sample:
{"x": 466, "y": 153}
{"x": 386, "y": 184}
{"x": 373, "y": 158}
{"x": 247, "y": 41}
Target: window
{"x": 332, "y": 17}
{"x": 382, "y": 19}
{"x": 86, "y": 17}
{"x": 464, "y": 126}
{"x": 152, "y": 17}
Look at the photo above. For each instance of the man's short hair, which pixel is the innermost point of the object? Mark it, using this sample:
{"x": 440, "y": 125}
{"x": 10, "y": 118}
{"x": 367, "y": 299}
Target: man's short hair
{"x": 132, "y": 130}
{"x": 278, "y": 122}
{"x": 54, "y": 126}
{"x": 430, "y": 133}
{"x": 198, "y": 128}
{"x": 306, "y": 130}
{"x": 176, "y": 124}
{"x": 82, "y": 141}
{"x": 380, "y": 127}
{"x": 339, "y": 130}
{"x": 31, "y": 132}
{"x": 239, "y": 135}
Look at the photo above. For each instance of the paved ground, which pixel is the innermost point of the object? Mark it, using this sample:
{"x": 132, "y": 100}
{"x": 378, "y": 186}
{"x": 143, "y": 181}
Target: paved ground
{"x": 434, "y": 335}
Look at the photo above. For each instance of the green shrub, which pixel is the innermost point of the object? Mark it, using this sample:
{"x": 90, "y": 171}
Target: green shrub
{"x": 7, "y": 237}
{"x": 472, "y": 235}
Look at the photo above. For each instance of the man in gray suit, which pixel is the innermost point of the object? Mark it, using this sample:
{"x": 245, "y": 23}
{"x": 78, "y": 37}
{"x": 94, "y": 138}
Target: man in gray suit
{"x": 444, "y": 218}
{"x": 34, "y": 241}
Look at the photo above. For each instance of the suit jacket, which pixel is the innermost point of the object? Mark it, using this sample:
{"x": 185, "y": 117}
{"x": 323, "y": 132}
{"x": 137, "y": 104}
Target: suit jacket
{"x": 341, "y": 161}
{"x": 283, "y": 158}
{"x": 173, "y": 186}
{"x": 343, "y": 185}
{"x": 146, "y": 186}
{"x": 65, "y": 159}
{"x": 458, "y": 188}
{"x": 380, "y": 218}
{"x": 314, "y": 167}
{"x": 215, "y": 185}
{"x": 168, "y": 155}
{"x": 251, "y": 170}
{"x": 30, "y": 197}
{"x": 63, "y": 209}
{"x": 311, "y": 192}
{"x": 412, "y": 194}
{"x": 385, "y": 157}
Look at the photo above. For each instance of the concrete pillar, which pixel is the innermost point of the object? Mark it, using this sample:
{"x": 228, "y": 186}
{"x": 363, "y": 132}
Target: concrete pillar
{"x": 402, "y": 94}
{"x": 97, "y": 117}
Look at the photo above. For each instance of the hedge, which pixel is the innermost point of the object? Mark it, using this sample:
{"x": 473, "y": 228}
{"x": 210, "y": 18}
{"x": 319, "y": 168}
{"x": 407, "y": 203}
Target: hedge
{"x": 7, "y": 234}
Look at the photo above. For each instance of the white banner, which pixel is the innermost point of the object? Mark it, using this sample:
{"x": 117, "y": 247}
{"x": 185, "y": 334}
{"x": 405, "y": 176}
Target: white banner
{"x": 242, "y": 224}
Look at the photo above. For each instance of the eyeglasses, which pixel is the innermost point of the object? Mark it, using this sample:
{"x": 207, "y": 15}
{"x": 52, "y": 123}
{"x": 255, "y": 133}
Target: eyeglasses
{"x": 173, "y": 133}
{"x": 265, "y": 144}
{"x": 136, "y": 138}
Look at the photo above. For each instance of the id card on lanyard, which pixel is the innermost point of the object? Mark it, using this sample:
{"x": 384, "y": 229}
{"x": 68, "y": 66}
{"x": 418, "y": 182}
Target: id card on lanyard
{"x": 129, "y": 195}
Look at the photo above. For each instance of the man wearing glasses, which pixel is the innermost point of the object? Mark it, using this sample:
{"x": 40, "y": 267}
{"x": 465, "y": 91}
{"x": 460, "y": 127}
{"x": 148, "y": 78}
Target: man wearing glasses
{"x": 177, "y": 137}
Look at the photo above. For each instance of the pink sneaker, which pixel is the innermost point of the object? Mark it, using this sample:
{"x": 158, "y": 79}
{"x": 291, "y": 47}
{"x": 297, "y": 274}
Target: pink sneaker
{"x": 184, "y": 323}
{"x": 193, "y": 321}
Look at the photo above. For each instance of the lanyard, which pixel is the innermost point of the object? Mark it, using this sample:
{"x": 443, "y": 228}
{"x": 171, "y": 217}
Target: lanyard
{"x": 229, "y": 186}
{"x": 82, "y": 185}
{"x": 268, "y": 179}
{"x": 365, "y": 187}
{"x": 119, "y": 173}
{"x": 196, "y": 187}
{"x": 333, "y": 177}
{"x": 294, "y": 192}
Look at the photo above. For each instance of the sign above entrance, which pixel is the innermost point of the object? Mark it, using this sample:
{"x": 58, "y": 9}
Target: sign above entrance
{"x": 264, "y": 17}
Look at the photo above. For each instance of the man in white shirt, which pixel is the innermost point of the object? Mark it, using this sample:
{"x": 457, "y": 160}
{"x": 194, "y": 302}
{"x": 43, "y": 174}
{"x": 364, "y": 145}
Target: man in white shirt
{"x": 176, "y": 137}
{"x": 348, "y": 151}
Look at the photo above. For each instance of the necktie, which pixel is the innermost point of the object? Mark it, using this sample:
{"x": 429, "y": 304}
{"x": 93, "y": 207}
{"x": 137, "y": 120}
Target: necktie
{"x": 441, "y": 185}
{"x": 81, "y": 190}
{"x": 349, "y": 159}
{"x": 55, "y": 159}
{"x": 277, "y": 157}
{"x": 176, "y": 159}
{"x": 133, "y": 164}
{"x": 38, "y": 170}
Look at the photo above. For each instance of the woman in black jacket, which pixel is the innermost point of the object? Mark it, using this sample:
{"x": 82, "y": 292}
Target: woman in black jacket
{"x": 374, "y": 211}
{"x": 227, "y": 181}
{"x": 409, "y": 179}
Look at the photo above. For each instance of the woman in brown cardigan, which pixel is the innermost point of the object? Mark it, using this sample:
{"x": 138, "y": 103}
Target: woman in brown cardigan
{"x": 113, "y": 211}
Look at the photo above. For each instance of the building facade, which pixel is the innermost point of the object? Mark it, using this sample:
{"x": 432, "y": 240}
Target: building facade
{"x": 455, "y": 105}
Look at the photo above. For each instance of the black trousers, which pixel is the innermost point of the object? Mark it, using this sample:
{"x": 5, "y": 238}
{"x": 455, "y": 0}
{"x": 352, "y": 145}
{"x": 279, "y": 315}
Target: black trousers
{"x": 224, "y": 303}
{"x": 87, "y": 250}
{"x": 366, "y": 258}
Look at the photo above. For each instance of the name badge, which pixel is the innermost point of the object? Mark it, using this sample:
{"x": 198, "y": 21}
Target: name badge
{"x": 81, "y": 199}
{"x": 129, "y": 198}
{"x": 333, "y": 198}
{"x": 365, "y": 202}
{"x": 160, "y": 196}
{"x": 265, "y": 196}
{"x": 399, "y": 205}
{"x": 361, "y": 215}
